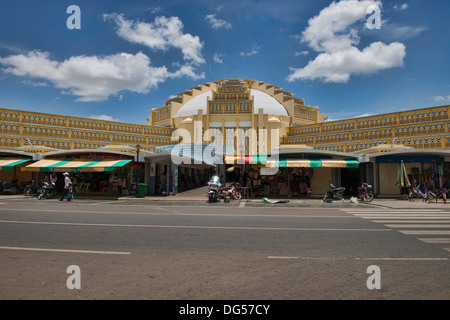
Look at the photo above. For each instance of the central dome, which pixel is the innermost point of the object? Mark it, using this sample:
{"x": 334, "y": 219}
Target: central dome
{"x": 262, "y": 100}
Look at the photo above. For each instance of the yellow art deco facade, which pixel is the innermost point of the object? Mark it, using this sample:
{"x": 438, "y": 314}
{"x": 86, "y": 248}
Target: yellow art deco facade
{"x": 420, "y": 129}
{"x": 250, "y": 116}
{"x": 232, "y": 107}
{"x": 230, "y": 112}
{"x": 38, "y": 132}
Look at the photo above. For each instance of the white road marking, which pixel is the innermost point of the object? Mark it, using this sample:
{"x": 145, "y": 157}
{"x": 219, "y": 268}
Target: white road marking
{"x": 242, "y": 204}
{"x": 412, "y": 221}
{"x": 393, "y": 210}
{"x": 435, "y": 240}
{"x": 404, "y": 215}
{"x": 378, "y": 218}
{"x": 407, "y": 259}
{"x": 363, "y": 259}
{"x": 168, "y": 211}
{"x": 444, "y": 226}
{"x": 429, "y": 232}
{"x": 100, "y": 203}
{"x": 187, "y": 227}
{"x": 65, "y": 250}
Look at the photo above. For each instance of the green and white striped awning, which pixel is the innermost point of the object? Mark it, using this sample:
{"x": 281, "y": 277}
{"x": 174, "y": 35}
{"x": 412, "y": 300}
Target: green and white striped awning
{"x": 312, "y": 163}
{"x": 265, "y": 161}
{"x": 76, "y": 165}
{"x": 8, "y": 163}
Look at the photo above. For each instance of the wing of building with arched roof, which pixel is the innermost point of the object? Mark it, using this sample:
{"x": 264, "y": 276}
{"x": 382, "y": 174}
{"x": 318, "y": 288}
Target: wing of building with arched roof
{"x": 234, "y": 111}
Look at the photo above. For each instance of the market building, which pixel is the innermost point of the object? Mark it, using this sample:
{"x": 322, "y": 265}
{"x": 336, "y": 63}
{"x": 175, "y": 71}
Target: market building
{"x": 262, "y": 127}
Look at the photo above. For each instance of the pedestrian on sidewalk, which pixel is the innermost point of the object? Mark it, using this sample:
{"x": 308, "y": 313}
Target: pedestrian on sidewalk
{"x": 66, "y": 187}
{"x": 74, "y": 186}
{"x": 53, "y": 178}
{"x": 70, "y": 196}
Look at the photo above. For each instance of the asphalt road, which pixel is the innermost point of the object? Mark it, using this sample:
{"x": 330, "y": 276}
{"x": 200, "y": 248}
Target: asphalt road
{"x": 194, "y": 250}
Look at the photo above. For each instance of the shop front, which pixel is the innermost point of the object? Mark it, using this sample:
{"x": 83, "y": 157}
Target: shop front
{"x": 428, "y": 167}
{"x": 11, "y": 163}
{"x": 91, "y": 171}
{"x": 292, "y": 173}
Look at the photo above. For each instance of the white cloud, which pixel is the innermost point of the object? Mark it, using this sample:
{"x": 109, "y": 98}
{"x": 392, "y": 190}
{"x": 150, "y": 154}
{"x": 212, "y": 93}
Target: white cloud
{"x": 301, "y": 53}
{"x": 103, "y": 117}
{"x": 254, "y": 50}
{"x": 187, "y": 71}
{"x": 217, "y": 23}
{"x": 338, "y": 66}
{"x": 401, "y": 7}
{"x": 218, "y": 58}
{"x": 441, "y": 98}
{"x": 94, "y": 78}
{"x": 336, "y": 116}
{"x": 35, "y": 84}
{"x": 330, "y": 29}
{"x": 162, "y": 34}
{"x": 331, "y": 34}
{"x": 393, "y": 31}
{"x": 155, "y": 10}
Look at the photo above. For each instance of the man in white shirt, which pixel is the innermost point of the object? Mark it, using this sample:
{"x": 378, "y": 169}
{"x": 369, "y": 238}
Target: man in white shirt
{"x": 53, "y": 178}
{"x": 66, "y": 186}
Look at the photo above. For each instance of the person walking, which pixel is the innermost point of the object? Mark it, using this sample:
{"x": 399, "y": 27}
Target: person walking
{"x": 74, "y": 185}
{"x": 70, "y": 196}
{"x": 67, "y": 183}
{"x": 53, "y": 178}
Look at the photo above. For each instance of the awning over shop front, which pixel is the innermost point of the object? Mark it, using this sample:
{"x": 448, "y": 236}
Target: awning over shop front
{"x": 75, "y": 165}
{"x": 312, "y": 163}
{"x": 8, "y": 163}
{"x": 265, "y": 161}
{"x": 246, "y": 159}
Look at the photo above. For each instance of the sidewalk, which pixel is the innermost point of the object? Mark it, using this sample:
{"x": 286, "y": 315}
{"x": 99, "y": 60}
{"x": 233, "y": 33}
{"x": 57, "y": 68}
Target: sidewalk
{"x": 376, "y": 203}
{"x": 199, "y": 195}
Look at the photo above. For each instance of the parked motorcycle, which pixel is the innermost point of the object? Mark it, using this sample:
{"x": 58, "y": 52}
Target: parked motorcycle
{"x": 10, "y": 188}
{"x": 417, "y": 193}
{"x": 234, "y": 192}
{"x": 46, "y": 191}
{"x": 213, "y": 191}
{"x": 32, "y": 189}
{"x": 365, "y": 192}
{"x": 334, "y": 193}
{"x": 216, "y": 191}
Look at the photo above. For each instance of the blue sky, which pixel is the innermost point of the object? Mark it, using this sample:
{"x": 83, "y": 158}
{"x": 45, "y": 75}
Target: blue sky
{"x": 130, "y": 56}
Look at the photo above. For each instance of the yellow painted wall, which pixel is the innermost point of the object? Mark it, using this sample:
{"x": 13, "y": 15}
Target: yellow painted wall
{"x": 388, "y": 179}
{"x": 319, "y": 181}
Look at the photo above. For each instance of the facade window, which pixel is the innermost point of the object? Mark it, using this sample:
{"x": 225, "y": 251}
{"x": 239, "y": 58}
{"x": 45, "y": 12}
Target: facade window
{"x": 244, "y": 106}
{"x": 230, "y": 106}
{"x": 215, "y": 106}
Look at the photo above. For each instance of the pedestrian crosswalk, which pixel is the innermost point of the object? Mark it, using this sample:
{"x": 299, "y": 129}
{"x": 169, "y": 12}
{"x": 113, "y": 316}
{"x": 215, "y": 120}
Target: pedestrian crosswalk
{"x": 429, "y": 225}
